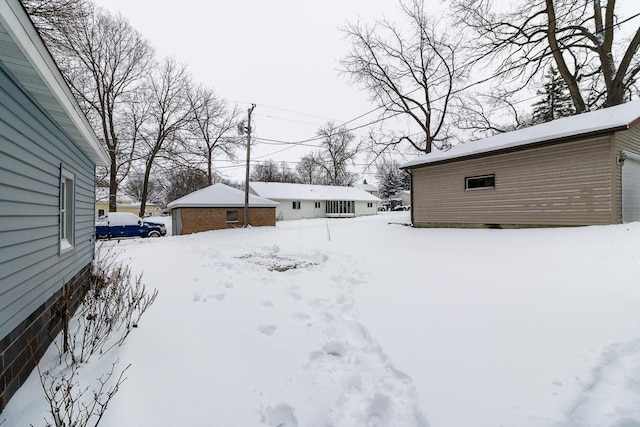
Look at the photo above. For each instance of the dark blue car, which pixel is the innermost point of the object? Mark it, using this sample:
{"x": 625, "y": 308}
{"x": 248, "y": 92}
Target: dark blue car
{"x": 115, "y": 225}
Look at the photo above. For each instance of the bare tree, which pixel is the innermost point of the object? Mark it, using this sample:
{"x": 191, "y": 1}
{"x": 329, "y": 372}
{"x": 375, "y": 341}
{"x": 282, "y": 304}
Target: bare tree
{"x": 54, "y": 18}
{"x": 184, "y": 181}
{"x": 582, "y": 40}
{"x": 308, "y": 170}
{"x": 213, "y": 128}
{"x": 336, "y": 153}
{"x": 104, "y": 60}
{"x": 267, "y": 171}
{"x": 409, "y": 70}
{"x": 170, "y": 114}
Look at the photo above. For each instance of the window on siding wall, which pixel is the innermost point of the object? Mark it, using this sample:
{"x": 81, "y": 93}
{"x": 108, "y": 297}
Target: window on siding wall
{"x": 317, "y": 205}
{"x": 340, "y": 206}
{"x": 369, "y": 204}
{"x": 232, "y": 216}
{"x": 67, "y": 211}
{"x": 296, "y": 205}
{"x": 479, "y": 182}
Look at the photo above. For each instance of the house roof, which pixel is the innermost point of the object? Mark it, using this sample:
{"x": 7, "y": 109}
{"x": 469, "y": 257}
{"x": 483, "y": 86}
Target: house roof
{"x": 102, "y": 195}
{"x": 606, "y": 120}
{"x": 288, "y": 191}
{"x": 220, "y": 195}
{"x": 366, "y": 187}
{"x": 24, "y": 53}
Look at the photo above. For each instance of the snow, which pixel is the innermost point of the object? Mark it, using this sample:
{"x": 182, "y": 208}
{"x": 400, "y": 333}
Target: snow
{"x": 612, "y": 118}
{"x": 219, "y": 195}
{"x": 288, "y": 191}
{"x": 366, "y": 322}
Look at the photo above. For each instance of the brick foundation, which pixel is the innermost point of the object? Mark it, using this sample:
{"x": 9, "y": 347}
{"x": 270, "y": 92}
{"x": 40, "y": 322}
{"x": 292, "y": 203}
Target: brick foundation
{"x": 195, "y": 220}
{"x": 22, "y": 349}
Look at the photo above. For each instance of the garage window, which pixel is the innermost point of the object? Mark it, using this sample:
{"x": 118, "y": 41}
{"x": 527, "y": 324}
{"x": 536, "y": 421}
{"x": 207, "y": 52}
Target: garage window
{"x": 480, "y": 182}
{"x": 232, "y": 216}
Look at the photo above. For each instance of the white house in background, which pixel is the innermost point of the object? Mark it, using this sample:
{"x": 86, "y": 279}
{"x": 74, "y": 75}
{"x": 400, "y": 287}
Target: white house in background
{"x": 371, "y": 189}
{"x": 299, "y": 201}
{"x": 124, "y": 203}
{"x": 405, "y": 196}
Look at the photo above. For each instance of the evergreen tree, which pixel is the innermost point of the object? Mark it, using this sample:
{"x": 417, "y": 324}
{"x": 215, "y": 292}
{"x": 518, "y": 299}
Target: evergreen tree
{"x": 392, "y": 180}
{"x": 556, "y": 101}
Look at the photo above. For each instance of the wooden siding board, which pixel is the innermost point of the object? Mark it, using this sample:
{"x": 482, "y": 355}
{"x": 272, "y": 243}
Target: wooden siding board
{"x": 32, "y": 150}
{"x": 564, "y": 184}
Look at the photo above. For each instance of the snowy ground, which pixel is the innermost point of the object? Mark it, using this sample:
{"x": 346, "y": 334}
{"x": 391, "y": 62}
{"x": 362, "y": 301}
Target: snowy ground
{"x": 358, "y": 322}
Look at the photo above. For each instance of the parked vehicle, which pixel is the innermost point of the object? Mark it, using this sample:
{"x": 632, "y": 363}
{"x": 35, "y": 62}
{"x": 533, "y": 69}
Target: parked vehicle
{"x": 115, "y": 225}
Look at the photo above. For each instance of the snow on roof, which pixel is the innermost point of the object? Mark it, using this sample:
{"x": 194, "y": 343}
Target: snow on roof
{"x": 288, "y": 191}
{"x": 102, "y": 195}
{"x": 612, "y": 119}
{"x": 220, "y": 195}
{"x": 366, "y": 187}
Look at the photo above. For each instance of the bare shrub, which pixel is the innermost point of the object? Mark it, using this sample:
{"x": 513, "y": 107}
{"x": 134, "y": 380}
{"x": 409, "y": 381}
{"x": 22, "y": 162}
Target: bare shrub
{"x": 68, "y": 404}
{"x": 113, "y": 306}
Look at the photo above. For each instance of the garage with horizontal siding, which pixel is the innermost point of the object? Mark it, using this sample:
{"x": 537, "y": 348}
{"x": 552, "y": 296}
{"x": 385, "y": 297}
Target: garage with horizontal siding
{"x": 580, "y": 170}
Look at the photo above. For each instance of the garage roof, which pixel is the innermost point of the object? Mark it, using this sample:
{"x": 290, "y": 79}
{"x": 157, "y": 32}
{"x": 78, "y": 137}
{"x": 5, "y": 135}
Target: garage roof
{"x": 606, "y": 120}
{"x": 220, "y": 196}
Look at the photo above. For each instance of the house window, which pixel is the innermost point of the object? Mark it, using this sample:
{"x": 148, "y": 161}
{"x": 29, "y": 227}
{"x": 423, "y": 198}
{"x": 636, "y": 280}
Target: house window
{"x": 296, "y": 205}
{"x": 232, "y": 216}
{"x": 317, "y": 205}
{"x": 100, "y": 213}
{"x": 340, "y": 207}
{"x": 479, "y": 182}
{"x": 67, "y": 212}
{"x": 369, "y": 204}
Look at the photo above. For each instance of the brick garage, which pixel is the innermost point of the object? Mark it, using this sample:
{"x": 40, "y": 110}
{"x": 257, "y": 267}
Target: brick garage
{"x": 218, "y": 207}
{"x": 195, "y": 220}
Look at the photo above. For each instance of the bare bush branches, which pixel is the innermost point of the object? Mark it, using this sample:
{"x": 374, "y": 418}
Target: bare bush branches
{"x": 114, "y": 304}
{"x": 112, "y": 308}
{"x": 69, "y": 403}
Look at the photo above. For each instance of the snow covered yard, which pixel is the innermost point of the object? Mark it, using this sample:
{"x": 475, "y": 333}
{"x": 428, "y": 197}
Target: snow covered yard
{"x": 356, "y": 322}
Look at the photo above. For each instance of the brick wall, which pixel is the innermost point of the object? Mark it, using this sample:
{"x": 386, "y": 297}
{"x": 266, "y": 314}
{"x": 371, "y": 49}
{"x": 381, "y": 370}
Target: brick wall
{"x": 22, "y": 349}
{"x": 195, "y": 220}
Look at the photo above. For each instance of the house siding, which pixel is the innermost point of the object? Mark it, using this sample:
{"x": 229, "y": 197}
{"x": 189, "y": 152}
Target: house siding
{"x": 32, "y": 151}
{"x": 627, "y": 140}
{"x": 568, "y": 183}
{"x": 196, "y": 220}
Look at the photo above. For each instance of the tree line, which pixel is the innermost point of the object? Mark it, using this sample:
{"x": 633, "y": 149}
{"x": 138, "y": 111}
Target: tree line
{"x": 447, "y": 78}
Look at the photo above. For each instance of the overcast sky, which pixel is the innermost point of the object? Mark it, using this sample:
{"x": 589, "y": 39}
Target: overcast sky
{"x": 281, "y": 55}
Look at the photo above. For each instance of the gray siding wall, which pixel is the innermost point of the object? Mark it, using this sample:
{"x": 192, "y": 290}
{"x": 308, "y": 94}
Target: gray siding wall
{"x": 628, "y": 140}
{"x": 32, "y": 151}
{"x": 563, "y": 184}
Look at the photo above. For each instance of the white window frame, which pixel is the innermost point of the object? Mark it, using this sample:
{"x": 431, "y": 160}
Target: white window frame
{"x": 67, "y": 210}
{"x": 295, "y": 205}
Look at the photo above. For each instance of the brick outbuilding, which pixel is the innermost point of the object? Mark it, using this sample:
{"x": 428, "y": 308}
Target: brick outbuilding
{"x": 218, "y": 207}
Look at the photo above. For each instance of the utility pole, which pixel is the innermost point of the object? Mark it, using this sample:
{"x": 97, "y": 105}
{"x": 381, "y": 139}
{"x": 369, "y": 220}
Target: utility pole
{"x": 246, "y": 178}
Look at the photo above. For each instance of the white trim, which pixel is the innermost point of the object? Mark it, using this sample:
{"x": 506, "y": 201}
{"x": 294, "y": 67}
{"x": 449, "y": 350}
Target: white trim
{"x": 630, "y": 155}
{"x": 67, "y": 210}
